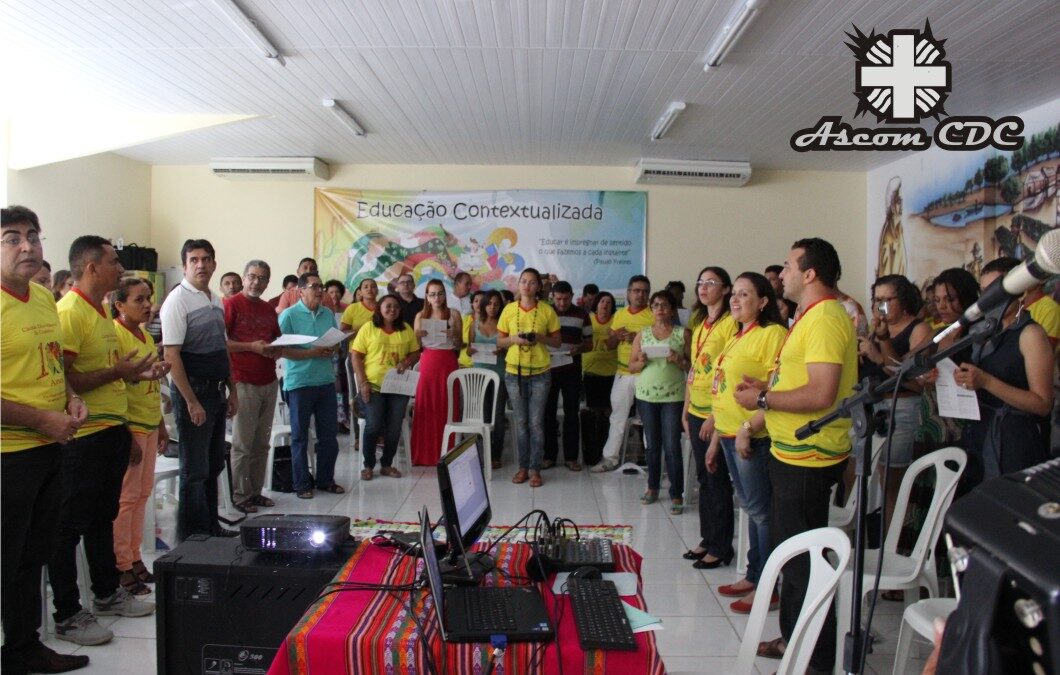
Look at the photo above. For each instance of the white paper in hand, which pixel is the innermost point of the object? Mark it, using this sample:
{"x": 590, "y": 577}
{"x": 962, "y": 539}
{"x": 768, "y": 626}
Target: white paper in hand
{"x": 954, "y": 401}
{"x": 437, "y": 336}
{"x": 400, "y": 383}
{"x": 484, "y": 356}
{"x": 656, "y": 351}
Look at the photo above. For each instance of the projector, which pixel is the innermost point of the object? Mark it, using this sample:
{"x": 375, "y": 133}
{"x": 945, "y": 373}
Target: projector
{"x": 294, "y": 532}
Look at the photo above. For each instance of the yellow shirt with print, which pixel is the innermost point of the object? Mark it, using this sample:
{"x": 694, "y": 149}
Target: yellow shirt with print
{"x": 383, "y": 350}
{"x": 1046, "y": 313}
{"x": 90, "y": 336}
{"x": 824, "y": 334}
{"x": 355, "y": 316}
{"x": 145, "y": 398}
{"x": 634, "y": 322}
{"x": 753, "y": 355}
{"x": 707, "y": 342}
{"x": 31, "y": 361}
{"x": 465, "y": 359}
{"x": 601, "y": 360}
{"x": 528, "y": 359}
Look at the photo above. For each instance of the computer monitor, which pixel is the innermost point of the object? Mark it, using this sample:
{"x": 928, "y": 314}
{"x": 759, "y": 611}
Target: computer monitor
{"x": 434, "y": 573}
{"x": 466, "y": 507}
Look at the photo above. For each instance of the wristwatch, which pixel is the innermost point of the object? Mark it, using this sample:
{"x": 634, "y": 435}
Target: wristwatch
{"x": 762, "y": 405}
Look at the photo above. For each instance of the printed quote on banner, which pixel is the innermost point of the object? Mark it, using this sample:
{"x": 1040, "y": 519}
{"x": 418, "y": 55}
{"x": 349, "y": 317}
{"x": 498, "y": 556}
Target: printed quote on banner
{"x": 579, "y": 236}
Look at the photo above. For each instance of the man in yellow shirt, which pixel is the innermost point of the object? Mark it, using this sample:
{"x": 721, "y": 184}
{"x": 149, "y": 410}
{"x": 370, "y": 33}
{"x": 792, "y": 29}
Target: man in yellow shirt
{"x": 815, "y": 369}
{"x": 628, "y": 321}
{"x": 40, "y": 412}
{"x": 94, "y": 462}
{"x": 1045, "y": 311}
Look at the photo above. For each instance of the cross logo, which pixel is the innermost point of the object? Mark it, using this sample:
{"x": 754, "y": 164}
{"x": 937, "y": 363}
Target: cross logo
{"x": 901, "y": 76}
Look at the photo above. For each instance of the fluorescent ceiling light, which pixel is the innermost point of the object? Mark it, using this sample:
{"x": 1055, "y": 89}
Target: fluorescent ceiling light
{"x": 734, "y": 26}
{"x": 344, "y": 116}
{"x": 249, "y": 28}
{"x": 667, "y": 120}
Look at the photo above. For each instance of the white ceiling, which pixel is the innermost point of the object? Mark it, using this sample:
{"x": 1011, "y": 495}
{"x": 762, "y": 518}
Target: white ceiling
{"x": 509, "y": 81}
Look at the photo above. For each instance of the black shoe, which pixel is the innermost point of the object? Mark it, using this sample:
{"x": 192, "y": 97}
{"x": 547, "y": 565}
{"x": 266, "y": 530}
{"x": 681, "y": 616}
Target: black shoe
{"x": 709, "y": 565}
{"x": 45, "y": 660}
{"x": 692, "y": 555}
{"x": 223, "y": 532}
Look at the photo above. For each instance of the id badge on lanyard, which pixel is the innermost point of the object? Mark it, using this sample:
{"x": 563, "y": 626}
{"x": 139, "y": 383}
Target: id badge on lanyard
{"x": 719, "y": 379}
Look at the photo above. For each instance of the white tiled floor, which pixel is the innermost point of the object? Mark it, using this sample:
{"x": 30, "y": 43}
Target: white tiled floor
{"x": 701, "y": 633}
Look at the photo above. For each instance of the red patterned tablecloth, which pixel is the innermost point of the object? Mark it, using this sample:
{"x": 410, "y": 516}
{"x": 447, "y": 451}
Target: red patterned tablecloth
{"x": 372, "y": 632}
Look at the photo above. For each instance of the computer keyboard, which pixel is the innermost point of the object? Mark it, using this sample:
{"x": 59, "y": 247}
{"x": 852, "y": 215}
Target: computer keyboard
{"x": 571, "y": 554}
{"x": 489, "y": 609}
{"x": 599, "y": 616}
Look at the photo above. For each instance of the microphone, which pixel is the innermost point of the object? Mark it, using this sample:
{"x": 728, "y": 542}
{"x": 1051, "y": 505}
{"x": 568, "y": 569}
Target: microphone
{"x": 1044, "y": 264}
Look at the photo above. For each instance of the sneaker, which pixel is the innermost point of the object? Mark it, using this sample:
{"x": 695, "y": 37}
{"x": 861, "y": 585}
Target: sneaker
{"x": 45, "y": 660}
{"x": 83, "y": 629}
{"x": 122, "y": 603}
{"x": 604, "y": 466}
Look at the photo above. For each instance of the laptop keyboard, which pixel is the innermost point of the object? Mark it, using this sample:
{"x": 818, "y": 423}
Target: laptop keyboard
{"x": 489, "y": 609}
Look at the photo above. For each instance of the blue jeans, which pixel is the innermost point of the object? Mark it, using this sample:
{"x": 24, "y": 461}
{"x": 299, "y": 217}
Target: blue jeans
{"x": 662, "y": 440}
{"x": 751, "y": 478}
{"x": 528, "y": 394}
{"x": 317, "y": 402}
{"x": 383, "y": 415}
{"x": 202, "y": 457}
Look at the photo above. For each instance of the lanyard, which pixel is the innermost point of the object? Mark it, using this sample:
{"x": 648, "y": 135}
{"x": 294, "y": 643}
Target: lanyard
{"x": 791, "y": 331}
{"x": 732, "y": 344}
{"x": 706, "y": 334}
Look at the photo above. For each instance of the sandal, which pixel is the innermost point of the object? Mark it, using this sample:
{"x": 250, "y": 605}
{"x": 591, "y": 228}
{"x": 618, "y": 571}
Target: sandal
{"x": 129, "y": 582}
{"x": 574, "y": 466}
{"x": 535, "y": 479}
{"x": 772, "y": 649}
{"x": 520, "y": 476}
{"x": 335, "y": 488}
{"x": 649, "y": 497}
{"x": 548, "y": 463}
{"x": 390, "y": 471}
{"x": 366, "y": 474}
{"x": 305, "y": 494}
{"x": 677, "y": 507}
{"x": 142, "y": 573}
{"x": 263, "y": 501}
{"x": 495, "y": 464}
{"x": 247, "y": 506}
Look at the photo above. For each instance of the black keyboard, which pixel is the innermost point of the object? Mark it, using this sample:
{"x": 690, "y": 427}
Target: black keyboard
{"x": 489, "y": 609}
{"x": 571, "y": 554}
{"x": 599, "y": 615}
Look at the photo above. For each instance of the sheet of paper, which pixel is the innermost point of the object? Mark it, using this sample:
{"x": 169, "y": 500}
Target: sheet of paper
{"x": 331, "y": 338}
{"x": 639, "y": 620}
{"x": 560, "y": 356}
{"x": 292, "y": 340}
{"x": 684, "y": 315}
{"x": 954, "y": 401}
{"x": 625, "y": 582}
{"x": 400, "y": 383}
{"x": 437, "y": 336}
{"x": 656, "y": 351}
{"x": 485, "y": 356}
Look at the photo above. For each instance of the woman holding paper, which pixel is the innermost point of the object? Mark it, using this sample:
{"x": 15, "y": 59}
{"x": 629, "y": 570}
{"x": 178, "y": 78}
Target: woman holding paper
{"x": 482, "y": 349}
{"x": 659, "y": 357}
{"x": 384, "y": 343}
{"x": 526, "y": 329}
{"x": 439, "y": 331}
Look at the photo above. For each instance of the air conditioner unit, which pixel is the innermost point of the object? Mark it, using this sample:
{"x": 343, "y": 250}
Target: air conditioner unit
{"x": 270, "y": 168}
{"x": 692, "y": 172}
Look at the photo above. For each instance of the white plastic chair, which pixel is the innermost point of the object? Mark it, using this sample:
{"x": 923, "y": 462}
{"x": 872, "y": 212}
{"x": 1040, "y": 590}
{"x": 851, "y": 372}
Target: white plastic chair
{"x": 633, "y": 425}
{"x": 843, "y": 516}
{"x": 743, "y": 537}
{"x": 474, "y": 383}
{"x": 900, "y": 572}
{"x": 167, "y": 470}
{"x": 824, "y": 577}
{"x": 920, "y": 617}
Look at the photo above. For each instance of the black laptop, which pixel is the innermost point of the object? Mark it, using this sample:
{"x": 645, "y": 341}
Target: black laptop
{"x": 474, "y": 613}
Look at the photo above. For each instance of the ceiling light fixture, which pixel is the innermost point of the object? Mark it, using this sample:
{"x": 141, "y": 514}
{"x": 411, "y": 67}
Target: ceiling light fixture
{"x": 667, "y": 120}
{"x": 735, "y": 24}
{"x": 344, "y": 116}
{"x": 249, "y": 28}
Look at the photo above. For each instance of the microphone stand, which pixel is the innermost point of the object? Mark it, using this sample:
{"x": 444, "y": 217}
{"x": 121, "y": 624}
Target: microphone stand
{"x": 859, "y": 409}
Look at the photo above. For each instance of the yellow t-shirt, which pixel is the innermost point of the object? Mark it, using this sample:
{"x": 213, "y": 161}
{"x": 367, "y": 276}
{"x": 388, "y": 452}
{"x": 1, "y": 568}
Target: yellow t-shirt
{"x": 824, "y": 334}
{"x": 634, "y": 322}
{"x": 752, "y": 354}
{"x": 356, "y": 315}
{"x": 145, "y": 398}
{"x": 90, "y": 336}
{"x": 465, "y": 359}
{"x": 31, "y": 361}
{"x": 601, "y": 360}
{"x": 707, "y": 342}
{"x": 528, "y": 359}
{"x": 1046, "y": 313}
{"x": 382, "y": 350}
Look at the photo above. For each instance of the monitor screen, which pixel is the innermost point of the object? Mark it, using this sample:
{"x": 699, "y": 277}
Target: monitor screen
{"x": 465, "y": 501}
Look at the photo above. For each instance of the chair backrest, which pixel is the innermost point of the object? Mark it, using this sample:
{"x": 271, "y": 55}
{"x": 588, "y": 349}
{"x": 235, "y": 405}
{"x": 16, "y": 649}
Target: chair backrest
{"x": 949, "y": 465}
{"x": 473, "y": 385}
{"x": 824, "y": 578}
{"x": 843, "y": 516}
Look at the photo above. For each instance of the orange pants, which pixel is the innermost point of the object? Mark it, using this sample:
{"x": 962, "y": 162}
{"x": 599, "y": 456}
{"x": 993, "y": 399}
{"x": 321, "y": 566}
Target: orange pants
{"x": 136, "y": 489}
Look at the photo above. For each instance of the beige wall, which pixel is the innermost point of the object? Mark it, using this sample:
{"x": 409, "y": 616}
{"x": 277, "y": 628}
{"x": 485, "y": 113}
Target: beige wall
{"x": 105, "y": 194}
{"x": 738, "y": 228}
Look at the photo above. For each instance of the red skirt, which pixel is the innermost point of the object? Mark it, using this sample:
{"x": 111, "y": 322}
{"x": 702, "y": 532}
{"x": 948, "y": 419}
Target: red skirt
{"x": 432, "y": 404}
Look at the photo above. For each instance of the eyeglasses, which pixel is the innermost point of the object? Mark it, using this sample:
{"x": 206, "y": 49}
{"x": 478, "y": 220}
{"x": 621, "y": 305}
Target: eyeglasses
{"x": 403, "y": 282}
{"x": 256, "y": 277}
{"x": 315, "y": 287}
{"x": 14, "y": 240}
{"x": 709, "y": 283}
{"x": 436, "y": 295}
{"x": 660, "y": 305}
{"x": 890, "y": 299}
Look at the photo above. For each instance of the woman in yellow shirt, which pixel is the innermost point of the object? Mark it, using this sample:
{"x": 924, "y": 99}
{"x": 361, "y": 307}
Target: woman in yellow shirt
{"x": 751, "y": 352}
{"x": 132, "y": 307}
{"x": 362, "y": 311}
{"x": 383, "y": 343}
{"x": 598, "y": 376}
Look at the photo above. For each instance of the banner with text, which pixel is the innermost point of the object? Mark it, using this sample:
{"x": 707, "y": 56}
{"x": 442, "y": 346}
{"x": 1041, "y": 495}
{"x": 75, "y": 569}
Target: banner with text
{"x": 580, "y": 236}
